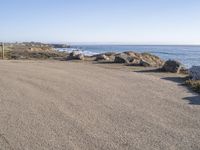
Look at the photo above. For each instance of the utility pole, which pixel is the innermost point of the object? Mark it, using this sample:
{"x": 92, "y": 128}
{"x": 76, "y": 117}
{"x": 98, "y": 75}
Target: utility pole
{"x": 3, "y": 50}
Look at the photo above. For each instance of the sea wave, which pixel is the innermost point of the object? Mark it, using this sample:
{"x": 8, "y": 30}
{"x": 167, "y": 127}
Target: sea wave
{"x": 85, "y": 52}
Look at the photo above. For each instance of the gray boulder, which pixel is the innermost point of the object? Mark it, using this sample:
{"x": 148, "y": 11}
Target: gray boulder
{"x": 194, "y": 72}
{"x": 172, "y": 66}
{"x": 123, "y": 58}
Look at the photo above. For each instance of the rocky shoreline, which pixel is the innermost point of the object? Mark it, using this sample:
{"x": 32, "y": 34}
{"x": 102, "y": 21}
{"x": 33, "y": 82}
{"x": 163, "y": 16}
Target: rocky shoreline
{"x": 131, "y": 58}
{"x": 36, "y": 51}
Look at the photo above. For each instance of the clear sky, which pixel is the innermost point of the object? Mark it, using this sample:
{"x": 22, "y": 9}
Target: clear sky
{"x": 101, "y": 21}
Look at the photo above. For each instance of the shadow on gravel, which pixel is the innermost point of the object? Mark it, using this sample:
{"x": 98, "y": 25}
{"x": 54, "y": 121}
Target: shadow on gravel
{"x": 104, "y": 62}
{"x": 194, "y": 100}
{"x": 150, "y": 71}
{"x": 179, "y": 80}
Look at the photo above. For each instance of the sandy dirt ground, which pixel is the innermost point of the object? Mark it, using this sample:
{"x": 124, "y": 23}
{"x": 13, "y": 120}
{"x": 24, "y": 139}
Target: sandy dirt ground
{"x": 52, "y": 105}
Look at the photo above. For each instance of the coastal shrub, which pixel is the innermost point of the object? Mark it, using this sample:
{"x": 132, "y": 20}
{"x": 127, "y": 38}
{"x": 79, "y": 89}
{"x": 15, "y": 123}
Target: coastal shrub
{"x": 194, "y": 84}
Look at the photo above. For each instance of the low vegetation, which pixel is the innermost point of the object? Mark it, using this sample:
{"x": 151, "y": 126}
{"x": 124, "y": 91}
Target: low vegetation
{"x": 28, "y": 51}
{"x": 35, "y": 54}
{"x": 194, "y": 84}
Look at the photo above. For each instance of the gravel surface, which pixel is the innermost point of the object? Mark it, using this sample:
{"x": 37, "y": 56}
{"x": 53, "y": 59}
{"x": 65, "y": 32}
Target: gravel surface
{"x": 51, "y": 105}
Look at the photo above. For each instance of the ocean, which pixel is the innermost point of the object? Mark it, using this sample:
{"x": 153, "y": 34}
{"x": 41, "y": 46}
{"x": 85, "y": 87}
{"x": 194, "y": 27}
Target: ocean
{"x": 188, "y": 55}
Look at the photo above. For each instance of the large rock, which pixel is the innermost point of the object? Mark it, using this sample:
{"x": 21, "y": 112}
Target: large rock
{"x": 75, "y": 55}
{"x": 123, "y": 58}
{"x": 149, "y": 60}
{"x": 133, "y": 54}
{"x": 109, "y": 54}
{"x": 194, "y": 72}
{"x": 145, "y": 63}
{"x": 172, "y": 66}
{"x": 144, "y": 59}
{"x": 101, "y": 57}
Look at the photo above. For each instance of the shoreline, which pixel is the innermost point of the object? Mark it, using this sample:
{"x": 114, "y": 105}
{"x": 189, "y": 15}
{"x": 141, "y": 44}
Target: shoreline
{"x": 186, "y": 55}
{"x": 34, "y": 51}
{"x": 163, "y": 51}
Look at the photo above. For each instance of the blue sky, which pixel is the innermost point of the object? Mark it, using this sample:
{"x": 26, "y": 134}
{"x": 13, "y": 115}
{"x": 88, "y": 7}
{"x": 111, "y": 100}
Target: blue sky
{"x": 101, "y": 21}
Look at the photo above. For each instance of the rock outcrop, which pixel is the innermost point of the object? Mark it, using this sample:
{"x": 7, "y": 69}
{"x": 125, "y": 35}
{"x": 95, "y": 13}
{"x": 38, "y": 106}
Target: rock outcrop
{"x": 109, "y": 56}
{"x": 172, "y": 66}
{"x": 194, "y": 72}
{"x": 130, "y": 58}
{"x": 137, "y": 59}
{"x": 150, "y": 60}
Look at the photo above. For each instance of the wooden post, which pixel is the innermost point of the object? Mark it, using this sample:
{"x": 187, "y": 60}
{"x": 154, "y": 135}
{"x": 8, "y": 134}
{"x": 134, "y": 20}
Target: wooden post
{"x": 2, "y": 50}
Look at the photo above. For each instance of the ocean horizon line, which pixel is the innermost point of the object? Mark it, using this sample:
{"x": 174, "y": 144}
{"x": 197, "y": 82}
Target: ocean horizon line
{"x": 102, "y": 44}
